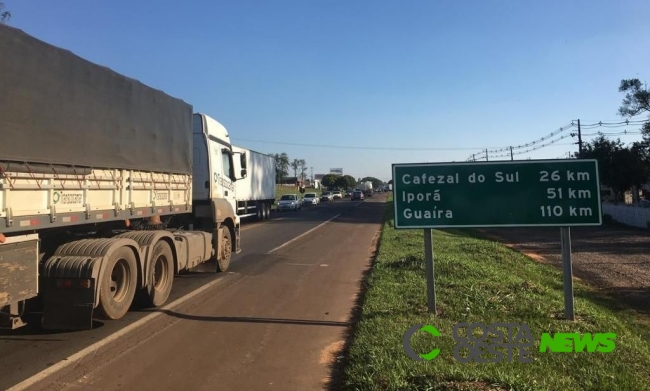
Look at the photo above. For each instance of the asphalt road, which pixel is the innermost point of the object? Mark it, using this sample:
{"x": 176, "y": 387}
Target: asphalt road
{"x": 274, "y": 320}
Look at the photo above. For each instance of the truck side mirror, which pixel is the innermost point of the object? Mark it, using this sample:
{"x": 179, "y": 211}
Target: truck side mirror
{"x": 243, "y": 173}
{"x": 242, "y": 160}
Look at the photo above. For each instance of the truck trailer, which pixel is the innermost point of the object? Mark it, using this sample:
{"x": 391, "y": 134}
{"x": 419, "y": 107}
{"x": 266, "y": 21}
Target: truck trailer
{"x": 108, "y": 188}
{"x": 255, "y": 194}
{"x": 366, "y": 188}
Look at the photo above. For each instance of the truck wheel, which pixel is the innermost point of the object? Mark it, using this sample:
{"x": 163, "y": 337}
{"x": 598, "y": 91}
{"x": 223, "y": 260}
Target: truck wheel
{"x": 162, "y": 275}
{"x": 260, "y": 212}
{"x": 117, "y": 284}
{"x": 226, "y": 251}
{"x": 267, "y": 210}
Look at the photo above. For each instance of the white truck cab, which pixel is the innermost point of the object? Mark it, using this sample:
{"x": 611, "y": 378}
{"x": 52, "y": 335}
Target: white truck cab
{"x": 213, "y": 184}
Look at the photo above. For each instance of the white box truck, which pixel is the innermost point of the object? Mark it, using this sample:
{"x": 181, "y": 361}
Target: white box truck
{"x": 366, "y": 188}
{"x": 108, "y": 188}
{"x": 255, "y": 194}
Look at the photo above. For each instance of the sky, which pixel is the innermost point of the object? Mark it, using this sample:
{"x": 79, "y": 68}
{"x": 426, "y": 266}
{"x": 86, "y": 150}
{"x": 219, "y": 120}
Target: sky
{"x": 360, "y": 85}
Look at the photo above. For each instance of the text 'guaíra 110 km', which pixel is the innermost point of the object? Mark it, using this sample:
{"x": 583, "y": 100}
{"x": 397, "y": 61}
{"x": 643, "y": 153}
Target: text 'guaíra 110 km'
{"x": 497, "y": 194}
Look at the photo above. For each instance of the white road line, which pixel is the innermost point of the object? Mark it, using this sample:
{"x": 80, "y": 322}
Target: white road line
{"x": 75, "y": 358}
{"x": 308, "y": 232}
{"x": 302, "y": 235}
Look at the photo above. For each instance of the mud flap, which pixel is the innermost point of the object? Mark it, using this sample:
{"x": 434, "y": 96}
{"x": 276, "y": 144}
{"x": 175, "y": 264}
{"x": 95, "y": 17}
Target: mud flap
{"x": 68, "y": 303}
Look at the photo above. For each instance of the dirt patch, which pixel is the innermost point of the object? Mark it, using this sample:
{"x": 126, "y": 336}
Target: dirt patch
{"x": 329, "y": 354}
{"x": 615, "y": 260}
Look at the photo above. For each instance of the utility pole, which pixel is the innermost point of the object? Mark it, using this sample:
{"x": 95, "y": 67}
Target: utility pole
{"x": 312, "y": 174}
{"x": 512, "y": 157}
{"x": 579, "y": 141}
{"x": 486, "y": 155}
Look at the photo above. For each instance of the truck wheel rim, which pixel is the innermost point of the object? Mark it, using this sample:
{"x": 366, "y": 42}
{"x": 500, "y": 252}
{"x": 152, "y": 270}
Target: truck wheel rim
{"x": 119, "y": 285}
{"x": 160, "y": 274}
{"x": 226, "y": 250}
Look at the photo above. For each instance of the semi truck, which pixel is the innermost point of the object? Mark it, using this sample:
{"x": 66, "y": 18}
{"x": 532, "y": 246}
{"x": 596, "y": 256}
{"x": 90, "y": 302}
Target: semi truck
{"x": 108, "y": 188}
{"x": 255, "y": 194}
{"x": 366, "y": 188}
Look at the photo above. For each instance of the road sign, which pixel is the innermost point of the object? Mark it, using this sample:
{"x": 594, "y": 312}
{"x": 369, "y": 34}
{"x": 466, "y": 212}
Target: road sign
{"x": 551, "y": 193}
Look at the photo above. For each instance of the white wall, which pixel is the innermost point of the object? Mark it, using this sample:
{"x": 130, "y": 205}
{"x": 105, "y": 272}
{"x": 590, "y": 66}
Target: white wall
{"x": 627, "y": 214}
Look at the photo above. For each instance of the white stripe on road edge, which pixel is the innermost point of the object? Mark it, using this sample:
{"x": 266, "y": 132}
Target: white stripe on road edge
{"x": 75, "y": 358}
{"x": 308, "y": 232}
{"x": 302, "y": 235}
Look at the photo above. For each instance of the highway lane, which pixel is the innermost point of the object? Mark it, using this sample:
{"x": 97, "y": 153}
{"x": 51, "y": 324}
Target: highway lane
{"x": 277, "y": 325}
{"x": 28, "y": 351}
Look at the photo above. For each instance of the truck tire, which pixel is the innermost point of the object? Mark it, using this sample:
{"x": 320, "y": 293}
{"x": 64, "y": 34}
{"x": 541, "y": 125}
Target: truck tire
{"x": 226, "y": 251}
{"x": 267, "y": 210}
{"x": 260, "y": 212}
{"x": 118, "y": 284}
{"x": 162, "y": 275}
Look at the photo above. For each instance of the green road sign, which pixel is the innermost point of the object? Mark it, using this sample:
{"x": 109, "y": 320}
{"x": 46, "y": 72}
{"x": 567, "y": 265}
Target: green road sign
{"x": 497, "y": 194}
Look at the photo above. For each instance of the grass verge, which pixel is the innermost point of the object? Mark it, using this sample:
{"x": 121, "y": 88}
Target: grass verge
{"x": 478, "y": 280}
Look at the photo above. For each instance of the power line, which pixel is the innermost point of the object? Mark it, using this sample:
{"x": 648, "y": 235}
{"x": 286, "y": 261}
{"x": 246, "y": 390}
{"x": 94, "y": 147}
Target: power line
{"x": 356, "y": 147}
{"x": 619, "y": 124}
{"x": 540, "y": 140}
{"x": 510, "y": 149}
{"x": 611, "y": 133}
{"x": 539, "y": 143}
{"x": 554, "y": 142}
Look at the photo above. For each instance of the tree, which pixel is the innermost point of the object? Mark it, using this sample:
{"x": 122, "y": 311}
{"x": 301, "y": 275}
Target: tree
{"x": 340, "y": 182}
{"x": 295, "y": 164}
{"x": 329, "y": 180}
{"x": 4, "y": 15}
{"x": 636, "y": 101}
{"x": 303, "y": 169}
{"x": 620, "y": 167}
{"x": 281, "y": 166}
{"x": 350, "y": 182}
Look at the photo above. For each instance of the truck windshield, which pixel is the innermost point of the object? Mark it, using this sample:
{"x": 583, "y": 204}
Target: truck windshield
{"x": 287, "y": 198}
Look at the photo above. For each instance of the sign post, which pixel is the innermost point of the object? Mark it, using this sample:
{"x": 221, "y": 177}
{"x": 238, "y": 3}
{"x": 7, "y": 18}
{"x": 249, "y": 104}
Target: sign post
{"x": 431, "y": 281}
{"x": 528, "y": 193}
{"x": 567, "y": 271}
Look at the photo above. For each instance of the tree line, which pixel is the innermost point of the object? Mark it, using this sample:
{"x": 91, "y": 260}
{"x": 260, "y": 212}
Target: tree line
{"x": 283, "y": 165}
{"x": 348, "y": 181}
{"x": 624, "y": 167}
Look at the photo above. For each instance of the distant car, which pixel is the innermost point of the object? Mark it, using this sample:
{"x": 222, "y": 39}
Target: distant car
{"x": 327, "y": 196}
{"x": 289, "y": 202}
{"x": 310, "y": 199}
{"x": 337, "y": 195}
{"x": 348, "y": 193}
{"x": 357, "y": 195}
